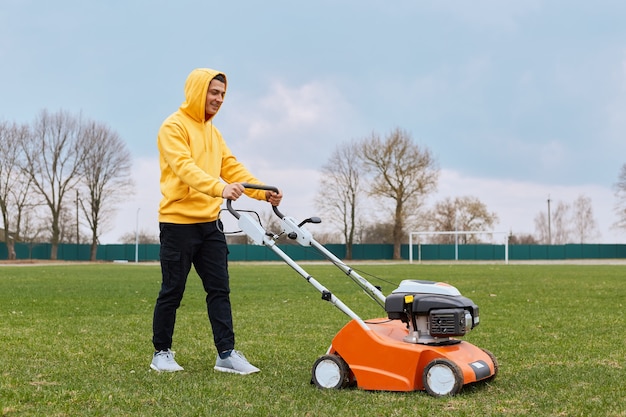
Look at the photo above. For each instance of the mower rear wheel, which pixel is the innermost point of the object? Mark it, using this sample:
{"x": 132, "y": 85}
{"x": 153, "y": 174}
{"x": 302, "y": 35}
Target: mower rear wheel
{"x": 442, "y": 377}
{"x": 330, "y": 372}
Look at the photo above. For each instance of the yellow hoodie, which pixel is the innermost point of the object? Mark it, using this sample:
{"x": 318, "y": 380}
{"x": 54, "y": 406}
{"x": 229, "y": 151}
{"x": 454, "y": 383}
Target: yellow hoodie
{"x": 193, "y": 158}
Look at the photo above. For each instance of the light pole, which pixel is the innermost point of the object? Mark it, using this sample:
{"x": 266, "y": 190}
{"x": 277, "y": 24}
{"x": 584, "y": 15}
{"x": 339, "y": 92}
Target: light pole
{"x": 137, "y": 237}
{"x": 456, "y": 235}
{"x": 77, "y": 230}
{"x": 549, "y": 231}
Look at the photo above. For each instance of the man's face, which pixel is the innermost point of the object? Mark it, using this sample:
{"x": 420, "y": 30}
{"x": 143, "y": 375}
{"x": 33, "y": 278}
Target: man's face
{"x": 214, "y": 97}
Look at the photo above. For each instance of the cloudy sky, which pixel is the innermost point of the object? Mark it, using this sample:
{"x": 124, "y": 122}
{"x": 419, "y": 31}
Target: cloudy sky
{"x": 520, "y": 101}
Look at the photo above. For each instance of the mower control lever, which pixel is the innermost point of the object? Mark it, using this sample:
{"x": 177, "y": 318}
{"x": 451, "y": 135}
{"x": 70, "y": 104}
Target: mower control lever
{"x": 314, "y": 220}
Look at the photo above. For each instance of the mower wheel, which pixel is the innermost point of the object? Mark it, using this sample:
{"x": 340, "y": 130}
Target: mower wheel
{"x": 330, "y": 372}
{"x": 442, "y": 377}
{"x": 495, "y": 365}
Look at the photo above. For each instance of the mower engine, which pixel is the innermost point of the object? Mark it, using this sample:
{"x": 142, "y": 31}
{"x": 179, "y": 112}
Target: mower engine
{"x": 433, "y": 311}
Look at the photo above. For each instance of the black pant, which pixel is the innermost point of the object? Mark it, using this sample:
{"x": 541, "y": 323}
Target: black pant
{"x": 204, "y": 246}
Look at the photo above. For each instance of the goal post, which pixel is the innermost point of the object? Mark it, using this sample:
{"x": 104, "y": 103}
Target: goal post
{"x": 456, "y": 242}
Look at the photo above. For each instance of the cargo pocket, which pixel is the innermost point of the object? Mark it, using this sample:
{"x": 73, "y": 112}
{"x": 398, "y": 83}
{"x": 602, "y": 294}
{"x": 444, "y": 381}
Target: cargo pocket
{"x": 170, "y": 265}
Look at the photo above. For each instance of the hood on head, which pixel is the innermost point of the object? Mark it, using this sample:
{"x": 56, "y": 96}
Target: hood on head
{"x": 196, "y": 88}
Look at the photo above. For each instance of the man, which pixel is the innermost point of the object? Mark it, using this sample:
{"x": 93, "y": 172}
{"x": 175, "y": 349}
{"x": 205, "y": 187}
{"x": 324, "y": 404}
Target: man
{"x": 193, "y": 158}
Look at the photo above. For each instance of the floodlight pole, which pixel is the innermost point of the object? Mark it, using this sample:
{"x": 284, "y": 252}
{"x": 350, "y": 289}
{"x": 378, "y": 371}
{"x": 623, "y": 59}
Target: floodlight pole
{"x": 456, "y": 235}
{"x": 137, "y": 237}
{"x": 549, "y": 228}
{"x": 77, "y": 230}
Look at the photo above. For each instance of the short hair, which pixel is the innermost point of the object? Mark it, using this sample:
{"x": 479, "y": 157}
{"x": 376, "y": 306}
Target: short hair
{"x": 220, "y": 77}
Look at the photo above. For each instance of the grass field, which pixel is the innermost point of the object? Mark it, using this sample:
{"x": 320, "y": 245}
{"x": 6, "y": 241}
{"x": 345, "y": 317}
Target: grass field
{"x": 76, "y": 342}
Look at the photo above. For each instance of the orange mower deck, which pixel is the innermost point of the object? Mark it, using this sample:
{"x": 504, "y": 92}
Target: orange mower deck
{"x": 379, "y": 359}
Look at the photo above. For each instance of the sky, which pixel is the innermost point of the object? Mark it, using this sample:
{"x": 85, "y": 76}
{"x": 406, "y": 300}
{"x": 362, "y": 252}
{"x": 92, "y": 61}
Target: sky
{"x": 519, "y": 101}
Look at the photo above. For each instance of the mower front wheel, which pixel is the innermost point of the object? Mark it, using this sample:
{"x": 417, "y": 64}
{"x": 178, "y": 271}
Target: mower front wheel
{"x": 442, "y": 377}
{"x": 330, "y": 372}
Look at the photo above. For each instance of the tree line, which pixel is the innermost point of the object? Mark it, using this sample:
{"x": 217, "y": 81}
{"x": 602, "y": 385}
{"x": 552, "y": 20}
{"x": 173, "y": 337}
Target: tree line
{"x": 395, "y": 176}
{"x": 620, "y": 205}
{"x": 376, "y": 188}
{"x": 64, "y": 171}
{"x": 57, "y": 173}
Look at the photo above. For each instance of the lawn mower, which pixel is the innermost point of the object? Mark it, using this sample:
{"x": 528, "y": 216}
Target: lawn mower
{"x": 414, "y": 348}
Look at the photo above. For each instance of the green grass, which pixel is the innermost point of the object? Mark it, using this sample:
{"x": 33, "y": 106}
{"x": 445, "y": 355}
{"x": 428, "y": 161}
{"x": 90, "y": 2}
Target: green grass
{"x": 76, "y": 341}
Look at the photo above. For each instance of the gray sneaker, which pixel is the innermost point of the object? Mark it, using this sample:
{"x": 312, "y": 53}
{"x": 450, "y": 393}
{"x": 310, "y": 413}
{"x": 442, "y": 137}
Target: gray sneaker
{"x": 163, "y": 361}
{"x": 236, "y": 363}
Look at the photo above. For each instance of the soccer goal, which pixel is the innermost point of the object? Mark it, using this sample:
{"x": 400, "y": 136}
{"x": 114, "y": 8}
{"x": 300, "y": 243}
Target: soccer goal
{"x": 456, "y": 242}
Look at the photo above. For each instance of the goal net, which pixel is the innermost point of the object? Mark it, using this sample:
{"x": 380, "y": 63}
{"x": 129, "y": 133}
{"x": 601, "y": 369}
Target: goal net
{"x": 456, "y": 234}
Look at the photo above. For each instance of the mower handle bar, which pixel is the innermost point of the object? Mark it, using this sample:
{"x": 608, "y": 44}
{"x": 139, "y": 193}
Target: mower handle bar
{"x": 229, "y": 202}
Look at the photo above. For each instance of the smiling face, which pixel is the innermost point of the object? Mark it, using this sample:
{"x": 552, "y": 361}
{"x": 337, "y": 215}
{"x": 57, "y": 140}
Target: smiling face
{"x": 214, "y": 98}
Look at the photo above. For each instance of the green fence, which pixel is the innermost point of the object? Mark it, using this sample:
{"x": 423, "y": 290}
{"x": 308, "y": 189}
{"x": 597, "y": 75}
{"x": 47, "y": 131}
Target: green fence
{"x": 143, "y": 253}
{"x": 520, "y": 252}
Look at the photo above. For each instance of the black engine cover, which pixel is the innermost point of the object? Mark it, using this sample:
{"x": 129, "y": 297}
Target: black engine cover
{"x": 424, "y": 303}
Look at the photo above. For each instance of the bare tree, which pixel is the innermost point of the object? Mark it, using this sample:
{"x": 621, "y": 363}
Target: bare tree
{"x": 67, "y": 225}
{"x": 142, "y": 237}
{"x": 523, "y": 239}
{"x": 377, "y": 232}
{"x": 53, "y": 157}
{"x": 328, "y": 237}
{"x": 620, "y": 193}
{"x": 105, "y": 177}
{"x": 542, "y": 228}
{"x": 33, "y": 228}
{"x": 465, "y": 213}
{"x": 340, "y": 191}
{"x": 583, "y": 221}
{"x": 561, "y": 228}
{"x": 14, "y": 185}
{"x": 443, "y": 218}
{"x": 555, "y": 230}
{"x": 402, "y": 173}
